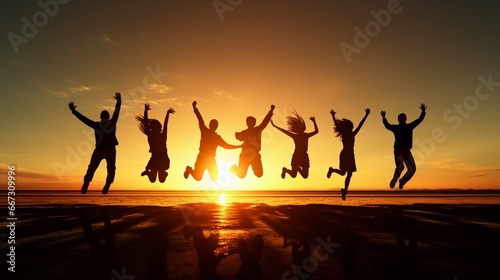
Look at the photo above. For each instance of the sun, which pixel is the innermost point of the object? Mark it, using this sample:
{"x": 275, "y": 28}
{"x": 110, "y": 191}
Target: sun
{"x": 222, "y": 199}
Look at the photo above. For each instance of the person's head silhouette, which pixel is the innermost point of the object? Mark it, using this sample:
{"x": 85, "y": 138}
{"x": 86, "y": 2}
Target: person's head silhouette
{"x": 155, "y": 125}
{"x": 295, "y": 123}
{"x": 251, "y": 121}
{"x": 104, "y": 115}
{"x": 213, "y": 125}
{"x": 402, "y": 118}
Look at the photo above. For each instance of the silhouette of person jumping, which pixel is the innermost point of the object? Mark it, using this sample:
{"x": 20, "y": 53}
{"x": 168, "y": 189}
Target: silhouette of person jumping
{"x": 250, "y": 259}
{"x": 343, "y": 128}
{"x": 251, "y": 138}
{"x": 208, "y": 146}
{"x": 300, "y": 158}
{"x": 403, "y": 134}
{"x": 159, "y": 162}
{"x": 105, "y": 139}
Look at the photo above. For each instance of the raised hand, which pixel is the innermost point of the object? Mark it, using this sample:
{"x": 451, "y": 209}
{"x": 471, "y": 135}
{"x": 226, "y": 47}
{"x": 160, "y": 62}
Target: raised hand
{"x": 147, "y": 107}
{"x": 118, "y": 96}
{"x": 367, "y": 110}
{"x": 312, "y": 118}
{"x": 272, "y": 107}
{"x": 171, "y": 110}
{"x": 332, "y": 112}
{"x": 72, "y": 106}
{"x": 382, "y": 113}
{"x": 194, "y": 104}
{"x": 423, "y": 107}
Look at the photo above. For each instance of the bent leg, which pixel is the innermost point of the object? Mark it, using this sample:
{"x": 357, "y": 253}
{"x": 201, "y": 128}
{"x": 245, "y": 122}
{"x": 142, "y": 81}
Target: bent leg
{"x": 242, "y": 168}
{"x": 257, "y": 168}
{"x": 304, "y": 171}
{"x": 162, "y": 175}
{"x": 213, "y": 170}
{"x": 152, "y": 175}
{"x": 292, "y": 172}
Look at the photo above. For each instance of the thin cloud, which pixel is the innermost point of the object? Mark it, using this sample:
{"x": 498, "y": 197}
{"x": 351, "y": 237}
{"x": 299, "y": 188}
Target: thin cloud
{"x": 159, "y": 88}
{"x": 65, "y": 93}
{"x": 220, "y": 94}
{"x": 106, "y": 39}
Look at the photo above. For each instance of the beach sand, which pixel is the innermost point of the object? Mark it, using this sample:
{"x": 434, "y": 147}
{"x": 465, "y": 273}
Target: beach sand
{"x": 345, "y": 242}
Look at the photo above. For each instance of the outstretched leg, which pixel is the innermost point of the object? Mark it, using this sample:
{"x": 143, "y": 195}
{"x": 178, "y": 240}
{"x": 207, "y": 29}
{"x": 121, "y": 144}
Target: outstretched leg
{"x": 110, "y": 156}
{"x": 346, "y": 184}
{"x": 95, "y": 160}
{"x": 410, "y": 169}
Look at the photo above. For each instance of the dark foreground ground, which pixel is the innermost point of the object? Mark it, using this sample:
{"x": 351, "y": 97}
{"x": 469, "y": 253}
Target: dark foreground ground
{"x": 422, "y": 241}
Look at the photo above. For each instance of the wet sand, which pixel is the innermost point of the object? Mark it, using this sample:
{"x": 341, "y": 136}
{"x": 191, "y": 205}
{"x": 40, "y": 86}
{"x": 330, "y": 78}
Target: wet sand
{"x": 421, "y": 241}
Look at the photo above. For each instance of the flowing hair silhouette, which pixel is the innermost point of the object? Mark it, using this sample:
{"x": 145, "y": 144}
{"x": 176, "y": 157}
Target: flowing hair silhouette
{"x": 159, "y": 162}
{"x": 296, "y": 131}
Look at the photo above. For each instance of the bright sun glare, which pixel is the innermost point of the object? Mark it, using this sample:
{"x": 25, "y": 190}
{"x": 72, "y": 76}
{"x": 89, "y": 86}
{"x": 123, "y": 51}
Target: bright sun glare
{"x": 222, "y": 199}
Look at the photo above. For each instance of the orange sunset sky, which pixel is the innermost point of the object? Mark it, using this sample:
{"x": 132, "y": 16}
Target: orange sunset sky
{"x": 236, "y": 58}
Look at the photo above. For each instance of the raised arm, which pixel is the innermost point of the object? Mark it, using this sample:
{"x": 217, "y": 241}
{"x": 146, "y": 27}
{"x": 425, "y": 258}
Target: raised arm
{"x": 384, "y": 120}
{"x": 118, "y": 105}
{"x": 146, "y": 122}
{"x": 332, "y": 112}
{"x": 421, "y": 117}
{"x": 367, "y": 111}
{"x": 165, "y": 122}
{"x": 201, "y": 122}
{"x": 81, "y": 117}
{"x": 316, "y": 130}
{"x": 266, "y": 120}
{"x": 282, "y": 130}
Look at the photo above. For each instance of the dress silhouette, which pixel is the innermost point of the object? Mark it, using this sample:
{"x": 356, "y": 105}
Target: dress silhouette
{"x": 159, "y": 162}
{"x": 105, "y": 142}
{"x": 251, "y": 138}
{"x": 403, "y": 134}
{"x": 300, "y": 158}
{"x": 209, "y": 142}
{"x": 343, "y": 128}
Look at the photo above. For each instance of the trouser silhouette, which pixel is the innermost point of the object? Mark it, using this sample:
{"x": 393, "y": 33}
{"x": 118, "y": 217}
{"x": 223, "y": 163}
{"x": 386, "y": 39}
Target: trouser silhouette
{"x": 404, "y": 157}
{"x": 109, "y": 154}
